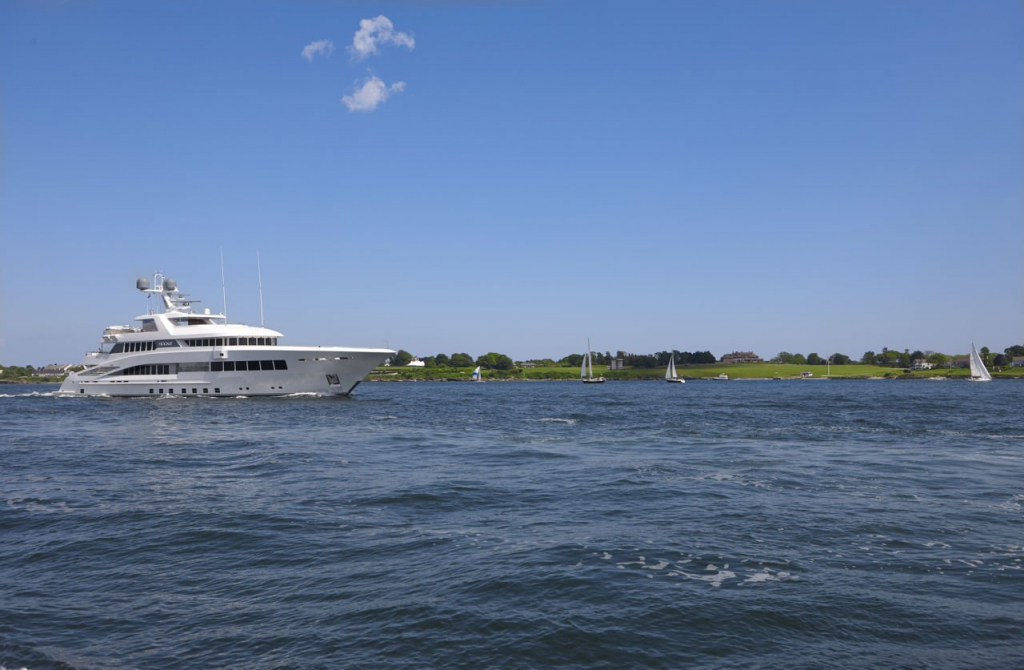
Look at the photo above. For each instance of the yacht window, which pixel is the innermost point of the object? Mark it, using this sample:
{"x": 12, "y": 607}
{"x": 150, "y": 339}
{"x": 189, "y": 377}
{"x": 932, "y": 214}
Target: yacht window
{"x": 229, "y": 366}
{"x": 161, "y": 390}
{"x": 266, "y": 365}
{"x": 263, "y": 341}
{"x": 280, "y": 365}
{"x": 232, "y": 341}
{"x": 220, "y": 341}
{"x": 216, "y": 390}
{"x": 216, "y": 366}
{"x": 150, "y": 390}
{"x": 193, "y": 390}
{"x": 254, "y": 365}
{"x": 252, "y": 341}
{"x": 149, "y": 326}
{"x": 206, "y": 390}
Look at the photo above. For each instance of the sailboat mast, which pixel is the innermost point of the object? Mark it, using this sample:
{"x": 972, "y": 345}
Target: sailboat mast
{"x": 590, "y": 361}
{"x": 259, "y": 275}
{"x": 223, "y": 286}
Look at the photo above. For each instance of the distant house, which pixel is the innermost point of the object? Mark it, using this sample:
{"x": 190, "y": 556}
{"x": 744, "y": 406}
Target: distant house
{"x": 616, "y": 364}
{"x": 415, "y": 363}
{"x": 742, "y": 357}
{"x": 921, "y": 364}
{"x": 527, "y": 364}
{"x": 1017, "y": 362}
{"x": 54, "y": 370}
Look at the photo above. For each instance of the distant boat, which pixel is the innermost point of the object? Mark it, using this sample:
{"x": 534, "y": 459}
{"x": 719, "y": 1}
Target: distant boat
{"x": 476, "y": 375}
{"x": 587, "y": 369}
{"x": 721, "y": 378}
{"x": 978, "y": 371}
{"x": 670, "y": 373}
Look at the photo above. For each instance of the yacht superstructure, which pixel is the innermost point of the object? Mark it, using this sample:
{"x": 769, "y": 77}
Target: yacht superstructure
{"x": 179, "y": 351}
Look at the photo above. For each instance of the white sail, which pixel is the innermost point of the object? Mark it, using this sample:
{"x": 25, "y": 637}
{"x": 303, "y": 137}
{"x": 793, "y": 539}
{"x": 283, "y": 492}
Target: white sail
{"x": 587, "y": 369}
{"x": 670, "y": 372}
{"x": 978, "y": 369}
{"x": 476, "y": 374}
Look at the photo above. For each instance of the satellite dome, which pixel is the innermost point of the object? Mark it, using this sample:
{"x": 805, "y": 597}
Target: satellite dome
{"x": 170, "y": 285}
{"x": 142, "y": 284}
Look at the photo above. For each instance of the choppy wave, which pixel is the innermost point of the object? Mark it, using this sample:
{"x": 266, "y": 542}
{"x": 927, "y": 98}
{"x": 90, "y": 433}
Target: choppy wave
{"x": 846, "y": 524}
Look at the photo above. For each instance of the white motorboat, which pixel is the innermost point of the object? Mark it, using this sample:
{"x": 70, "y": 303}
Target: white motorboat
{"x": 179, "y": 351}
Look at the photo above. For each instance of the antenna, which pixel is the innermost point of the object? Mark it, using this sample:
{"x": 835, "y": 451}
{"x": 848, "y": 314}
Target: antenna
{"x": 259, "y": 274}
{"x": 223, "y": 286}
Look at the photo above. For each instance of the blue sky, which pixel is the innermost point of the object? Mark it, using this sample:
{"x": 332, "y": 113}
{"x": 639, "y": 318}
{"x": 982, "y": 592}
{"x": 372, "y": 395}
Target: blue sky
{"x": 774, "y": 175}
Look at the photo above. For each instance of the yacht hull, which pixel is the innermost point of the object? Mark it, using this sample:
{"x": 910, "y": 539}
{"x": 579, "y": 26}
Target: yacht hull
{"x": 319, "y": 370}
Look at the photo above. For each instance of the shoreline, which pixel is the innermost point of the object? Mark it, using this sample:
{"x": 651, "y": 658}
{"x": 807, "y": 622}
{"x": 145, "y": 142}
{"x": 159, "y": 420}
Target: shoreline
{"x": 690, "y": 379}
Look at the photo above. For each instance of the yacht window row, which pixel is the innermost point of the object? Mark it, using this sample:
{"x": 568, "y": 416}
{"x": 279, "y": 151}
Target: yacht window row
{"x": 243, "y": 366}
{"x": 132, "y": 347}
{"x": 147, "y": 370}
{"x": 216, "y": 366}
{"x": 231, "y": 342}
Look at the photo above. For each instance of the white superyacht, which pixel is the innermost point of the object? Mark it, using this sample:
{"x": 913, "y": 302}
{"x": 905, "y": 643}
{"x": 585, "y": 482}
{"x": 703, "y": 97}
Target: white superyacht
{"x": 179, "y": 351}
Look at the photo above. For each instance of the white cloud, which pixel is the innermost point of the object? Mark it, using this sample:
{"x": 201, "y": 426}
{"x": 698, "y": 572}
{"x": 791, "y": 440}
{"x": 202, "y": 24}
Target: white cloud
{"x": 374, "y": 32}
{"x": 372, "y": 93}
{"x": 323, "y": 47}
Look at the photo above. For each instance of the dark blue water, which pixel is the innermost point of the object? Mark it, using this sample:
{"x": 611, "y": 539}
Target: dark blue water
{"x": 748, "y": 524}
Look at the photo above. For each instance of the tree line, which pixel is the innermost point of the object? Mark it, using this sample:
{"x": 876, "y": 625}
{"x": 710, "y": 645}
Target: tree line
{"x": 489, "y": 361}
{"x": 885, "y": 358}
{"x": 656, "y": 360}
{"x": 899, "y": 359}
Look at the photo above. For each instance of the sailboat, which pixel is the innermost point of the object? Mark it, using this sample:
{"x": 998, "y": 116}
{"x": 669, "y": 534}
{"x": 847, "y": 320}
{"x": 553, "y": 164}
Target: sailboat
{"x": 476, "y": 375}
{"x": 670, "y": 373}
{"x": 978, "y": 371}
{"x": 587, "y": 369}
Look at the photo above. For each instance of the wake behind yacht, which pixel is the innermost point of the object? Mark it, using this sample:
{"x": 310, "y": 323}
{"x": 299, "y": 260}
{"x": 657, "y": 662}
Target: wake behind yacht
{"x": 183, "y": 352}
